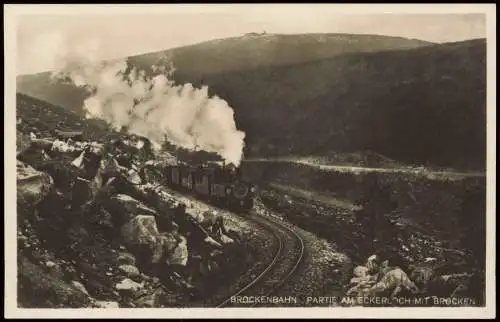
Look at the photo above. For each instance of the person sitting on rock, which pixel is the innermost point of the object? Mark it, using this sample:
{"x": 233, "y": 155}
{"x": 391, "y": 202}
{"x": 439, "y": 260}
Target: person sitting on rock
{"x": 220, "y": 232}
{"x": 88, "y": 164}
{"x": 190, "y": 227}
{"x": 177, "y": 263}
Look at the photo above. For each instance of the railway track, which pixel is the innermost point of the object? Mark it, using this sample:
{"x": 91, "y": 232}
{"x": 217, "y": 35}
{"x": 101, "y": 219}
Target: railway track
{"x": 286, "y": 260}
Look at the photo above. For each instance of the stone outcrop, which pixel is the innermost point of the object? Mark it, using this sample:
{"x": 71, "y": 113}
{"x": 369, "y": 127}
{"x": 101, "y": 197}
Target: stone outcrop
{"x": 32, "y": 186}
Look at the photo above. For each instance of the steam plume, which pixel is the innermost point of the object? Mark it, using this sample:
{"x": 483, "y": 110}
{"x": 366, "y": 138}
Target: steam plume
{"x": 151, "y": 105}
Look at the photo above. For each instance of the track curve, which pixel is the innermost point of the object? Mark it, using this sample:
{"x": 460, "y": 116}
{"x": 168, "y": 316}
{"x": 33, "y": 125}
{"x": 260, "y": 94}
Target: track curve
{"x": 284, "y": 264}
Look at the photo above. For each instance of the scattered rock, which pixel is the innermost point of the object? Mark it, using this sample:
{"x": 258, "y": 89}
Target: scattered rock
{"x": 360, "y": 271}
{"x": 80, "y": 287}
{"x": 128, "y": 285}
{"x": 50, "y": 264}
{"x": 32, "y": 186}
{"x": 374, "y": 279}
{"x": 107, "y": 305}
{"x": 126, "y": 258}
{"x": 395, "y": 280}
{"x": 129, "y": 270}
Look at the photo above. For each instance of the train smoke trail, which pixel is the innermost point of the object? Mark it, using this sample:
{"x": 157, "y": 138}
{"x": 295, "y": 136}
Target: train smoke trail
{"x": 148, "y": 103}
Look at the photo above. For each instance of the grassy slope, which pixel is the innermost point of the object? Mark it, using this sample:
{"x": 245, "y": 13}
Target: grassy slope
{"x": 319, "y": 94}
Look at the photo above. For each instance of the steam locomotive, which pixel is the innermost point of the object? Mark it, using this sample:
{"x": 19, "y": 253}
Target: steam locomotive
{"x": 214, "y": 182}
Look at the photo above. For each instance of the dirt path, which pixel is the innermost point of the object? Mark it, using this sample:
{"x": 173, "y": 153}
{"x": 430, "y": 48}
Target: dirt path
{"x": 358, "y": 169}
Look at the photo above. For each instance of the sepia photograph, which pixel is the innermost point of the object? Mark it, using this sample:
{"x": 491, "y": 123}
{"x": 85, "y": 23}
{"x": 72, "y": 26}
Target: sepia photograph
{"x": 180, "y": 160}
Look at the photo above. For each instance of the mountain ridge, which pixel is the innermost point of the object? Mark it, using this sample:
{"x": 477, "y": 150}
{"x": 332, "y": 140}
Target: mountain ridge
{"x": 409, "y": 104}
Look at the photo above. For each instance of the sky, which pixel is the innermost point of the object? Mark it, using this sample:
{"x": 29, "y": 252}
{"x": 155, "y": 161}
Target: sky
{"x": 124, "y": 33}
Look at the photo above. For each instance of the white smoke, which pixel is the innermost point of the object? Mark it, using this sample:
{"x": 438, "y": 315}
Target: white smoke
{"x": 153, "y": 106}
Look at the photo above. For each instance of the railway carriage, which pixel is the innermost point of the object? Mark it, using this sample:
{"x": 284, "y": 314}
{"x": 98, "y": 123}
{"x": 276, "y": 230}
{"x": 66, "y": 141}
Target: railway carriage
{"x": 187, "y": 178}
{"x": 214, "y": 183}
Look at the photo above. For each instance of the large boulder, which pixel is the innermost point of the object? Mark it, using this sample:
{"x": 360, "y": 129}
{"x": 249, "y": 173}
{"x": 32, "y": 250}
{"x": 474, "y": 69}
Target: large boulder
{"x": 128, "y": 286}
{"x": 129, "y": 270}
{"x": 123, "y": 208}
{"x": 32, "y": 186}
{"x": 126, "y": 258}
{"x": 395, "y": 281}
{"x": 141, "y": 235}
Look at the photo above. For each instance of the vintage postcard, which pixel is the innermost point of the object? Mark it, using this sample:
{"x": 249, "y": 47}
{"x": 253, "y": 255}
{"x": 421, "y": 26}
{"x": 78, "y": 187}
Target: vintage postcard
{"x": 253, "y": 160}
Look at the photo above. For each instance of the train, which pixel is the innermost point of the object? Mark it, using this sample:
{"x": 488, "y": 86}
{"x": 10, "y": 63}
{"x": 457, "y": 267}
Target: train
{"x": 214, "y": 182}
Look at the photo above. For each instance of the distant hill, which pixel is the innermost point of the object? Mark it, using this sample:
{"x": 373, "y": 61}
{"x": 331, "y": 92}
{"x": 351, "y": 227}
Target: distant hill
{"x": 230, "y": 54}
{"x": 266, "y": 50}
{"x": 411, "y": 101}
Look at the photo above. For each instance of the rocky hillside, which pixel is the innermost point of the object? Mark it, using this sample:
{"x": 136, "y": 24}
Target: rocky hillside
{"x": 103, "y": 245}
{"x": 130, "y": 245}
{"x": 411, "y": 101}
